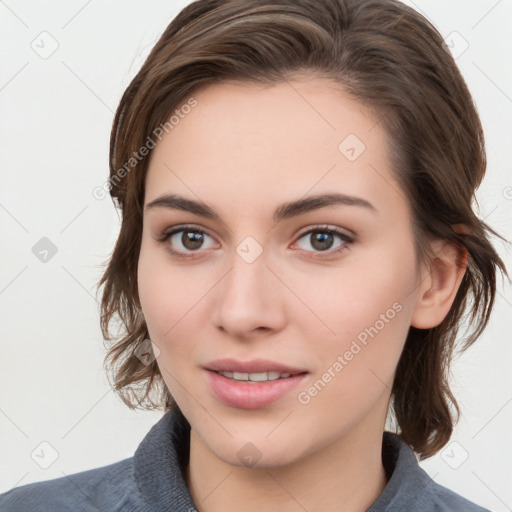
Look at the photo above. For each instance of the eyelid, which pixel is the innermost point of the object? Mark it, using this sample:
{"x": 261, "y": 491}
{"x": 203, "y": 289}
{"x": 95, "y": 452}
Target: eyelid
{"x": 327, "y": 227}
{"x": 182, "y": 227}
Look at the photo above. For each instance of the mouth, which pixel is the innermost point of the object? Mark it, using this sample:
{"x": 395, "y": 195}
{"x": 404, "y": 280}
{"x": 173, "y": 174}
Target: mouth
{"x": 258, "y": 368}
{"x": 252, "y": 384}
{"x": 253, "y": 378}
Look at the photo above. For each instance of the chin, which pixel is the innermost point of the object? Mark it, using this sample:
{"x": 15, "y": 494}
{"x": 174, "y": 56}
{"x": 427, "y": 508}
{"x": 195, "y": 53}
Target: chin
{"x": 257, "y": 451}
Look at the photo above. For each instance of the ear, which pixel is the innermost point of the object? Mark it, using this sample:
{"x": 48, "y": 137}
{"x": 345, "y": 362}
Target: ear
{"x": 440, "y": 280}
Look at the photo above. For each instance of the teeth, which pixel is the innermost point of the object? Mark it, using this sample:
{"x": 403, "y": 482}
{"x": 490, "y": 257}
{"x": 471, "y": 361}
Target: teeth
{"x": 255, "y": 377}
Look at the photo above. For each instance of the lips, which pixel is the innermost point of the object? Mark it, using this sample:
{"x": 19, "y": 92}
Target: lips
{"x": 252, "y": 384}
{"x": 253, "y": 366}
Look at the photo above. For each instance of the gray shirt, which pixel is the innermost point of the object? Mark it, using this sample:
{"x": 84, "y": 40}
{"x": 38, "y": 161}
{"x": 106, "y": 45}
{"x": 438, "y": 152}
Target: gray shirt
{"x": 152, "y": 481}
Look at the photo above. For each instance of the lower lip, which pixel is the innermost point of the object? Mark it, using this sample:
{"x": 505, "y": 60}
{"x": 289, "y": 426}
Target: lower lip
{"x": 246, "y": 395}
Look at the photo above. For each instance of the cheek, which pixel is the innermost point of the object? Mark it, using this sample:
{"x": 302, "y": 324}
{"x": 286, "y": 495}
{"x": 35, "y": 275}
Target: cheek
{"x": 165, "y": 291}
{"x": 358, "y": 295}
{"x": 161, "y": 293}
{"x": 165, "y": 300}
{"x": 172, "y": 298}
{"x": 355, "y": 368}
{"x": 365, "y": 311}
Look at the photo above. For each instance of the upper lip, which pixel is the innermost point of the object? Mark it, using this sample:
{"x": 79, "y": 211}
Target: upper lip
{"x": 252, "y": 366}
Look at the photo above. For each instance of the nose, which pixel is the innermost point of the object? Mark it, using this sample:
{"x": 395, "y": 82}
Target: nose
{"x": 249, "y": 298}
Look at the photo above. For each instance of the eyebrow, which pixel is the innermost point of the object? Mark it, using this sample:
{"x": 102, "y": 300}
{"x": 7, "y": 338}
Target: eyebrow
{"x": 284, "y": 211}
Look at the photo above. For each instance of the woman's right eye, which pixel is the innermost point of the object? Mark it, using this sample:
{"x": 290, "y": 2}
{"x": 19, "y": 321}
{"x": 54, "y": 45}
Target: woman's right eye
{"x": 183, "y": 242}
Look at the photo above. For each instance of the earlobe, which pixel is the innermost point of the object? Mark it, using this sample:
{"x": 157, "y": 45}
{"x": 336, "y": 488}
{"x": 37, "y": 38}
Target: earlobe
{"x": 439, "y": 285}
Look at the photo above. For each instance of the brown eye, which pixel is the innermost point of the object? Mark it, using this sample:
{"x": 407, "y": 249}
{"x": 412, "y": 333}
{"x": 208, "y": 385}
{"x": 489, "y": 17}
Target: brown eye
{"x": 323, "y": 240}
{"x": 191, "y": 240}
{"x": 183, "y": 241}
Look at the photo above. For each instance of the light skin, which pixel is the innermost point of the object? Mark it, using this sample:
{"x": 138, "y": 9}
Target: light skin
{"x": 244, "y": 150}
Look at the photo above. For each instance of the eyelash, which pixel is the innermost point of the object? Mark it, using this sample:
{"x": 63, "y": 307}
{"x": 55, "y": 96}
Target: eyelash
{"x": 166, "y": 235}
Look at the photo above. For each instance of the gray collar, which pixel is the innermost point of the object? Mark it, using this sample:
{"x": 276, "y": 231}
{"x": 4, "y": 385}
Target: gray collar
{"x": 163, "y": 453}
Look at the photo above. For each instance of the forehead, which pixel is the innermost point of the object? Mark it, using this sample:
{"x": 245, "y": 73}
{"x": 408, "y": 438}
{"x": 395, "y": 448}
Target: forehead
{"x": 250, "y": 144}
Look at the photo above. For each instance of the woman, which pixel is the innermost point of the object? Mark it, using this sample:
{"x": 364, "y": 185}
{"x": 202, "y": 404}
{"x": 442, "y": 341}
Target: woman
{"x": 297, "y": 252}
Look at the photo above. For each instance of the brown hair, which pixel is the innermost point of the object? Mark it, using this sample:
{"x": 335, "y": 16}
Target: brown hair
{"x": 391, "y": 59}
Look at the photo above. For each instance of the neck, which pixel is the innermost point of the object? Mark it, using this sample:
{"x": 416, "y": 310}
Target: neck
{"x": 346, "y": 475}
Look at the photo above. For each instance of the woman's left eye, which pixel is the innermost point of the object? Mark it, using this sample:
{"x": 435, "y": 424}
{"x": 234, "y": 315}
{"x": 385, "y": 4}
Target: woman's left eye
{"x": 189, "y": 240}
{"x": 323, "y": 239}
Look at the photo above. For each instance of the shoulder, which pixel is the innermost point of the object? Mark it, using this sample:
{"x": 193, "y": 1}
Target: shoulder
{"x": 441, "y": 499}
{"x": 105, "y": 488}
{"x": 151, "y": 480}
{"x": 411, "y": 488}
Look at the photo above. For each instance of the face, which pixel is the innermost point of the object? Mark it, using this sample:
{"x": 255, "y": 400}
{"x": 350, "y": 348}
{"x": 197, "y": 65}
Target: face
{"x": 322, "y": 292}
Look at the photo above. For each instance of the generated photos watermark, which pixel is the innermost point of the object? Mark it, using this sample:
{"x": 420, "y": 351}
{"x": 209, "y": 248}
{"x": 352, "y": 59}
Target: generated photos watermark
{"x": 357, "y": 345}
{"x": 100, "y": 192}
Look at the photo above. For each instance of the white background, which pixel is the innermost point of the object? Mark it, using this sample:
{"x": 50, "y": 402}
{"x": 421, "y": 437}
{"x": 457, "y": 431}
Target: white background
{"x": 55, "y": 120}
